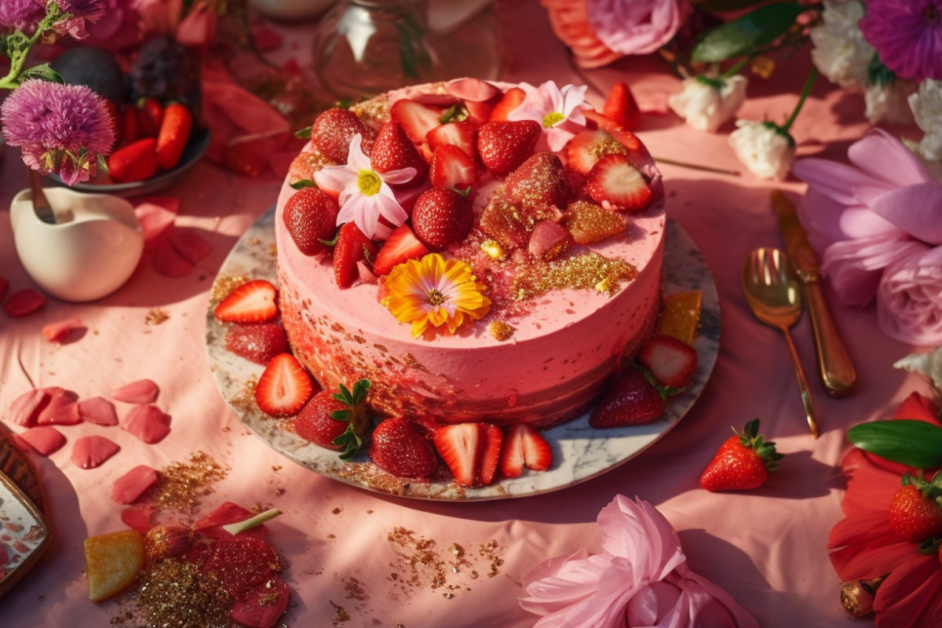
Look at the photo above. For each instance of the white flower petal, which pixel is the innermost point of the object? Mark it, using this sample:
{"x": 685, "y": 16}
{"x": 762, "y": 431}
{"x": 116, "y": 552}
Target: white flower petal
{"x": 552, "y": 96}
{"x": 557, "y": 138}
{"x": 398, "y": 177}
{"x": 334, "y": 178}
{"x": 573, "y": 99}
{"x": 355, "y": 158}
{"x": 390, "y": 209}
{"x": 350, "y": 209}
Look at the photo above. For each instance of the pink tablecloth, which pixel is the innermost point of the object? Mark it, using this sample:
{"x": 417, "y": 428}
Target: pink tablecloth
{"x": 766, "y": 547}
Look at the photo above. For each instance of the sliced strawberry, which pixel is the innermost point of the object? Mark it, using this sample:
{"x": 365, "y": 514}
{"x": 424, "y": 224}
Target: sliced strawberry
{"x": 400, "y": 247}
{"x": 398, "y": 449}
{"x": 257, "y": 343}
{"x": 461, "y": 446}
{"x": 310, "y": 216}
{"x": 631, "y": 400}
{"x": 548, "y": 240}
{"x": 367, "y": 276}
{"x": 512, "y": 99}
{"x": 352, "y": 246}
{"x": 617, "y": 184}
{"x": 262, "y": 605}
{"x": 393, "y": 151}
{"x": 441, "y": 217}
{"x": 473, "y": 90}
{"x": 585, "y": 149}
{"x": 524, "y": 447}
{"x": 671, "y": 361}
{"x": 333, "y": 131}
{"x": 284, "y": 387}
{"x": 493, "y": 438}
{"x": 415, "y": 118}
{"x": 503, "y": 146}
{"x": 253, "y": 302}
{"x": 539, "y": 183}
{"x": 480, "y": 112}
{"x": 595, "y": 120}
{"x": 460, "y": 134}
{"x": 621, "y": 107}
{"x": 452, "y": 168}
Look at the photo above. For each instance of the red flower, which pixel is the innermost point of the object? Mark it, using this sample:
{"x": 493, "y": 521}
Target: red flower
{"x": 865, "y": 546}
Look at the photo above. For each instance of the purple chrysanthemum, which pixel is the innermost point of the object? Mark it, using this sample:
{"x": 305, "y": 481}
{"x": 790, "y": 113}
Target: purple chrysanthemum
{"x": 79, "y": 11}
{"x": 23, "y": 15}
{"x": 907, "y": 34}
{"x": 59, "y": 128}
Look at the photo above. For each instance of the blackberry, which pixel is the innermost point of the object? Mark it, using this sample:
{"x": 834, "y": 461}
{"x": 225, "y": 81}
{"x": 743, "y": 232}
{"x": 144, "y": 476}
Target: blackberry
{"x": 166, "y": 70}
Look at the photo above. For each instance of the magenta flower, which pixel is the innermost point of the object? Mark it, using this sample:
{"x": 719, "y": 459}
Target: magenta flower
{"x": 75, "y": 14}
{"x": 907, "y": 34}
{"x": 22, "y": 15}
{"x": 59, "y": 128}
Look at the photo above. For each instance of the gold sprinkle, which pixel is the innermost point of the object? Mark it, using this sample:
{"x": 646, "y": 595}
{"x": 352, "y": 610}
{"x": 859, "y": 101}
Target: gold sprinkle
{"x": 500, "y": 330}
{"x": 273, "y": 250}
{"x": 762, "y": 66}
{"x": 588, "y": 271}
{"x": 156, "y": 316}
{"x": 223, "y": 286}
{"x": 341, "y": 615}
{"x": 181, "y": 484}
{"x": 176, "y": 593}
{"x": 493, "y": 250}
{"x": 490, "y": 552}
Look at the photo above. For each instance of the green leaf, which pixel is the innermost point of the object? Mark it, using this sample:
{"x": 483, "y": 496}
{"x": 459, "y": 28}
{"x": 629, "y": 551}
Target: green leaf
{"x": 330, "y": 242}
{"x": 914, "y": 443}
{"x": 455, "y": 113}
{"x": 720, "y": 6}
{"x": 42, "y": 72}
{"x": 748, "y": 34}
{"x": 303, "y": 183}
{"x": 304, "y": 134}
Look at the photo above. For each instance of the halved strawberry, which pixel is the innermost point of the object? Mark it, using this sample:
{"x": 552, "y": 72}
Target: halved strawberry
{"x": 441, "y": 217}
{"x": 621, "y": 107}
{"x": 617, "y": 184}
{"x": 400, "y": 247}
{"x": 670, "y": 361}
{"x": 461, "y": 446}
{"x": 595, "y": 120}
{"x": 503, "y": 146}
{"x": 452, "y": 168}
{"x": 524, "y": 447}
{"x": 493, "y": 439}
{"x": 460, "y": 134}
{"x": 257, "y": 343}
{"x": 284, "y": 387}
{"x": 333, "y": 131}
{"x": 253, "y": 302}
{"x": 512, "y": 99}
{"x": 416, "y": 119}
{"x": 393, "y": 151}
{"x": 352, "y": 246}
{"x": 585, "y": 149}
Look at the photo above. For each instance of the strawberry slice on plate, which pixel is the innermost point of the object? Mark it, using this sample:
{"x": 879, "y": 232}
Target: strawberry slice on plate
{"x": 461, "y": 446}
{"x": 416, "y": 119}
{"x": 503, "y": 146}
{"x": 630, "y": 400}
{"x": 490, "y": 458}
{"x": 352, "y": 246}
{"x": 460, "y": 134}
{"x": 670, "y": 361}
{"x": 257, "y": 343}
{"x": 284, "y": 387}
{"x": 253, "y": 302}
{"x": 400, "y": 247}
{"x": 617, "y": 184}
{"x": 524, "y": 447}
{"x": 452, "y": 168}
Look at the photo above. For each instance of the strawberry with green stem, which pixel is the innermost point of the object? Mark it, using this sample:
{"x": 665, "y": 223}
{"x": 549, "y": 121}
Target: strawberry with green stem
{"x": 337, "y": 421}
{"x": 742, "y": 462}
{"x": 916, "y": 508}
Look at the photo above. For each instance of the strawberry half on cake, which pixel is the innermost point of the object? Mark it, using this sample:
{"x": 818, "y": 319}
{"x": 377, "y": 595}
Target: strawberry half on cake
{"x": 480, "y": 252}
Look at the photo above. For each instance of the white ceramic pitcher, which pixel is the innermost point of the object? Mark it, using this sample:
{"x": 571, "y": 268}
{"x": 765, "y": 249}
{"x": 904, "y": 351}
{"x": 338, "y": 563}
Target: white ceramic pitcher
{"x": 89, "y": 253}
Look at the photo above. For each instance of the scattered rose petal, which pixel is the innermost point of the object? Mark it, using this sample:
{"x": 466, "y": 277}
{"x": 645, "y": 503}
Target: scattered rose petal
{"x": 43, "y": 440}
{"x": 157, "y": 215}
{"x": 266, "y": 38}
{"x": 141, "y": 391}
{"x": 57, "y": 332}
{"x": 98, "y": 410}
{"x": 148, "y": 423}
{"x": 256, "y": 607}
{"x": 26, "y": 407}
{"x": 61, "y": 409}
{"x": 190, "y": 245}
{"x": 24, "y": 302}
{"x": 138, "y": 518}
{"x": 132, "y": 484}
{"x": 171, "y": 264}
{"x": 89, "y": 452}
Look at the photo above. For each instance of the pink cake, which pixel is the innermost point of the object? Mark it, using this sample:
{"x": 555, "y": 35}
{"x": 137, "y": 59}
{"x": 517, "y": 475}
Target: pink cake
{"x": 540, "y": 355}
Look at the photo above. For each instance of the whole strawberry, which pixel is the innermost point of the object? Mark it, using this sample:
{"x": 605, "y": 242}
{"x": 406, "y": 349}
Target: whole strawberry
{"x": 503, "y": 146}
{"x": 398, "y": 449}
{"x": 311, "y": 218}
{"x": 743, "y": 462}
{"x": 441, "y": 217}
{"x": 915, "y": 513}
{"x": 538, "y": 185}
{"x": 632, "y": 399}
{"x": 393, "y": 150}
{"x": 333, "y": 131}
{"x": 337, "y": 421}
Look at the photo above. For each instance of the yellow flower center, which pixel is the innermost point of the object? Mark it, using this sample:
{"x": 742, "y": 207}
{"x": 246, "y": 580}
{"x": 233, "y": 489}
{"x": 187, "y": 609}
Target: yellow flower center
{"x": 435, "y": 297}
{"x": 369, "y": 183}
{"x": 551, "y": 119}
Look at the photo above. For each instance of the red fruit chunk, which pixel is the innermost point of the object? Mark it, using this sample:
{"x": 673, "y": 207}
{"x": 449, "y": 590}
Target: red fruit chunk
{"x": 503, "y": 146}
{"x": 398, "y": 449}
{"x": 394, "y": 151}
{"x": 148, "y": 423}
{"x": 400, "y": 247}
{"x": 253, "y": 302}
{"x": 257, "y": 343}
{"x": 589, "y": 223}
{"x": 441, "y": 217}
{"x": 130, "y": 486}
{"x": 138, "y": 518}
{"x": 130, "y": 125}
{"x": 23, "y": 302}
{"x": 284, "y": 387}
{"x": 57, "y": 332}
{"x": 538, "y": 185}
{"x": 505, "y": 223}
{"x": 261, "y": 606}
{"x": 25, "y": 408}
{"x": 493, "y": 441}
{"x": 415, "y": 118}
{"x": 459, "y": 134}
{"x": 310, "y": 216}
{"x": 918, "y": 408}
{"x": 595, "y": 120}
{"x": 461, "y": 446}
{"x": 670, "y": 361}
{"x": 89, "y": 452}
{"x": 524, "y": 447}
{"x": 134, "y": 162}
{"x": 169, "y": 263}
{"x": 512, "y": 99}
{"x": 452, "y": 168}
{"x": 190, "y": 245}
{"x": 621, "y": 107}
{"x": 333, "y": 131}
{"x": 352, "y": 246}
{"x": 140, "y": 391}
{"x": 914, "y": 516}
{"x": 98, "y": 410}
{"x": 43, "y": 440}
{"x": 60, "y": 410}
{"x": 242, "y": 563}
{"x": 630, "y": 400}
{"x": 548, "y": 240}
{"x": 174, "y": 134}
{"x": 157, "y": 215}
{"x": 406, "y": 197}
{"x": 366, "y": 275}
{"x": 617, "y": 184}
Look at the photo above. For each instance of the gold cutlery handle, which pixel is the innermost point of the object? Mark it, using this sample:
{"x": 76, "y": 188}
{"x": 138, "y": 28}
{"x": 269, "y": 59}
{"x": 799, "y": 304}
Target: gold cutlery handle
{"x": 834, "y": 365}
{"x": 802, "y": 383}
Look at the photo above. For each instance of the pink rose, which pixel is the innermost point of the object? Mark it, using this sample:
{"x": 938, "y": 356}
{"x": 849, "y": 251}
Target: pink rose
{"x": 909, "y": 299}
{"x": 636, "y": 27}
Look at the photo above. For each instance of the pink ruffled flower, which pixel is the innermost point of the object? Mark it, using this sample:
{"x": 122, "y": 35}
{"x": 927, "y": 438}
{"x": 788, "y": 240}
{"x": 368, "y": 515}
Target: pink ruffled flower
{"x": 909, "y": 299}
{"x": 558, "y": 111}
{"x": 570, "y": 22}
{"x": 907, "y": 34}
{"x": 641, "y": 578}
{"x": 636, "y": 27}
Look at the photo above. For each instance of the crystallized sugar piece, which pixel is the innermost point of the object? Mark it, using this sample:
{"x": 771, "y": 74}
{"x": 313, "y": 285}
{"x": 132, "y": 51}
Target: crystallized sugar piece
{"x": 132, "y": 484}
{"x": 141, "y": 391}
{"x": 138, "y": 518}
{"x": 98, "y": 410}
{"x": 190, "y": 245}
{"x": 89, "y": 452}
{"x": 157, "y": 215}
{"x": 57, "y": 332}
{"x": 171, "y": 264}
{"x": 25, "y": 408}
{"x": 147, "y": 423}
{"x": 61, "y": 409}
{"x": 43, "y": 440}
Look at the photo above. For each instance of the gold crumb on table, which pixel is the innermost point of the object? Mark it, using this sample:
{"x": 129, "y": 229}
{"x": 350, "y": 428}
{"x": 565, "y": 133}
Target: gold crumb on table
{"x": 223, "y": 286}
{"x": 155, "y": 317}
{"x": 181, "y": 484}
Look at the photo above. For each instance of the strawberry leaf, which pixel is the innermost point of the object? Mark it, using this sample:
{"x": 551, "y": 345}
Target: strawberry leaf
{"x": 930, "y": 547}
{"x": 304, "y": 183}
{"x": 304, "y": 134}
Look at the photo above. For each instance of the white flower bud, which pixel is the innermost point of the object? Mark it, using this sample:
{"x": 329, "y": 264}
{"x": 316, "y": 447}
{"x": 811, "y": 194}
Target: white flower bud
{"x": 840, "y": 51}
{"x": 765, "y": 151}
{"x": 706, "y": 107}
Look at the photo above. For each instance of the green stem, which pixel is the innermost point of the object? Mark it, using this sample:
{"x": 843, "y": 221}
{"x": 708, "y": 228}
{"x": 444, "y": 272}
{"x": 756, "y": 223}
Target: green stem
{"x": 801, "y": 101}
{"x": 248, "y": 524}
{"x": 18, "y": 59}
{"x": 739, "y": 65}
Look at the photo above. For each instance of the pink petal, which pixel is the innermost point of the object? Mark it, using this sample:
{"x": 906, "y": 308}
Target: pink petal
{"x": 710, "y": 605}
{"x": 141, "y": 391}
{"x": 916, "y": 209}
{"x": 157, "y": 215}
{"x": 366, "y": 275}
{"x": 169, "y": 263}
{"x": 98, "y": 410}
{"x": 133, "y": 484}
{"x": 57, "y": 332}
{"x": 869, "y": 487}
{"x": 855, "y": 267}
{"x": 61, "y": 409}
{"x": 398, "y": 177}
{"x": 26, "y": 407}
{"x": 639, "y": 533}
{"x": 834, "y": 180}
{"x": 911, "y": 597}
{"x": 885, "y": 158}
{"x": 472, "y": 89}
{"x": 190, "y": 245}
{"x": 89, "y": 452}
{"x": 560, "y": 582}
{"x": 138, "y": 518}
{"x": 148, "y": 423}
{"x": 23, "y": 303}
{"x": 356, "y": 158}
{"x": 43, "y": 440}
{"x": 334, "y": 178}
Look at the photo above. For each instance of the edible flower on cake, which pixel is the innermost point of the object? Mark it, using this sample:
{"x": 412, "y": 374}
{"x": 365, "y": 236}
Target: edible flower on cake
{"x": 559, "y": 111}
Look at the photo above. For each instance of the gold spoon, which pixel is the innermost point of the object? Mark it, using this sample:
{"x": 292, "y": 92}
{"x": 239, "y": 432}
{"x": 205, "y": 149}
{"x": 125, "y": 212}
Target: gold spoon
{"x": 774, "y": 294}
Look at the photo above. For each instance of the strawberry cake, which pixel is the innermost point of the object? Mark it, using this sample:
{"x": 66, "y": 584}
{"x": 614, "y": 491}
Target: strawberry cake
{"x": 477, "y": 251}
